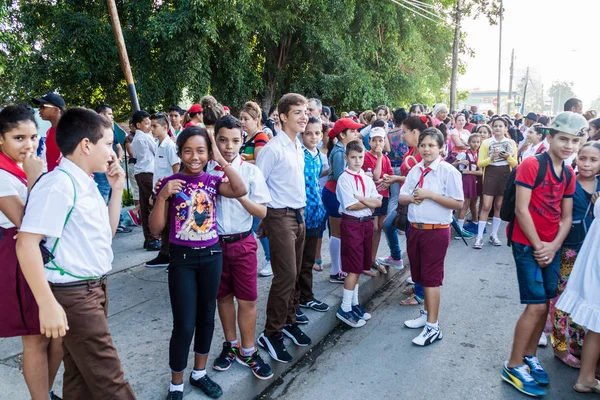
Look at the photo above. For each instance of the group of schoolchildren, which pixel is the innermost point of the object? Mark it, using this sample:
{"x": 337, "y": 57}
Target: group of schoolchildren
{"x": 208, "y": 185}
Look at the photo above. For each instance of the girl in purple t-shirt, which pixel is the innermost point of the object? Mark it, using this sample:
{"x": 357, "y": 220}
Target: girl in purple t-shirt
{"x": 188, "y": 201}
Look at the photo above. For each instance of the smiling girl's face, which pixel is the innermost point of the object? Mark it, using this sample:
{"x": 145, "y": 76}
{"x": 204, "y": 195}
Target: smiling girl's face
{"x": 195, "y": 154}
{"x": 19, "y": 142}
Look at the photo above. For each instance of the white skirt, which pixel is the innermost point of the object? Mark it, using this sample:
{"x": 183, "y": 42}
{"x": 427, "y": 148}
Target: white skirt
{"x": 581, "y": 298}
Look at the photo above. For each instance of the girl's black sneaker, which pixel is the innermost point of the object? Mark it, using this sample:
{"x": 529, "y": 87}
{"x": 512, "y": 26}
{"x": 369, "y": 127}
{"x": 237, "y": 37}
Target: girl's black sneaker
{"x": 208, "y": 386}
{"x": 223, "y": 362}
{"x": 176, "y": 395}
{"x": 259, "y": 368}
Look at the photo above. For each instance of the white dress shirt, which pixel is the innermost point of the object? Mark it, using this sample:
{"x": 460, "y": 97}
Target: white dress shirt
{"x": 350, "y": 184}
{"x": 144, "y": 148}
{"x": 443, "y": 179}
{"x": 232, "y": 217}
{"x": 166, "y": 157}
{"x": 531, "y": 150}
{"x": 282, "y": 163}
{"x": 84, "y": 248}
{"x": 10, "y": 185}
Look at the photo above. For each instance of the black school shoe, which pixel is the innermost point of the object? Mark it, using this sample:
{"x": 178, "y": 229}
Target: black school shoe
{"x": 225, "y": 359}
{"x": 314, "y": 305}
{"x": 301, "y": 318}
{"x": 177, "y": 395}
{"x": 295, "y": 333}
{"x": 208, "y": 386}
{"x": 161, "y": 260}
{"x": 275, "y": 347}
{"x": 153, "y": 245}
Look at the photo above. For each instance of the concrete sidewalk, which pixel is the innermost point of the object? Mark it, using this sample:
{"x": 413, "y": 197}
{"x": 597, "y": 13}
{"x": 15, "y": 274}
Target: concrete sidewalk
{"x": 140, "y": 322}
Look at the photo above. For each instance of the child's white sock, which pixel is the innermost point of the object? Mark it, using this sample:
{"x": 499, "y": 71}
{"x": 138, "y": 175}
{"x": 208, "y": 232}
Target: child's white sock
{"x": 461, "y": 223}
{"x": 495, "y": 226}
{"x": 234, "y": 343}
{"x": 481, "y": 228}
{"x": 248, "y": 352}
{"x": 197, "y": 374}
{"x": 355, "y": 296}
{"x": 335, "y": 254}
{"x": 175, "y": 388}
{"x": 434, "y": 325}
{"x": 347, "y": 300}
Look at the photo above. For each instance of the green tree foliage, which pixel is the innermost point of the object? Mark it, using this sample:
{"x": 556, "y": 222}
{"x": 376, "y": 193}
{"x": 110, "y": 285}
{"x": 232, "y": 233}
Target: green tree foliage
{"x": 353, "y": 54}
{"x": 561, "y": 91}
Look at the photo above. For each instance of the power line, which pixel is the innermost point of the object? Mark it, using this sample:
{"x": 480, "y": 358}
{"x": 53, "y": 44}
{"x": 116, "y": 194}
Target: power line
{"x": 416, "y": 12}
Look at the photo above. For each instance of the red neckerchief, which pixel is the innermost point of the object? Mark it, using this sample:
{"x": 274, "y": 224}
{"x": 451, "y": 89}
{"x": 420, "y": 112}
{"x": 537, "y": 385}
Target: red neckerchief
{"x": 540, "y": 149}
{"x": 424, "y": 171}
{"x": 358, "y": 178}
{"x": 12, "y": 168}
{"x": 475, "y": 157}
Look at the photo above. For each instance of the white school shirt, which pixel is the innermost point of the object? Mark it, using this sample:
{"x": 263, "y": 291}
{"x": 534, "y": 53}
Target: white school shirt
{"x": 232, "y": 217}
{"x": 348, "y": 185}
{"x": 166, "y": 157}
{"x": 531, "y": 150}
{"x": 84, "y": 248}
{"x": 443, "y": 179}
{"x": 282, "y": 163}
{"x": 144, "y": 148}
{"x": 10, "y": 185}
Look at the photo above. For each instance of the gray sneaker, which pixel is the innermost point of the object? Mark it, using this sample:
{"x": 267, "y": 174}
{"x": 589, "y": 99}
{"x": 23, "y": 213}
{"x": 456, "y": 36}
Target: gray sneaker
{"x": 495, "y": 241}
{"x": 478, "y": 243}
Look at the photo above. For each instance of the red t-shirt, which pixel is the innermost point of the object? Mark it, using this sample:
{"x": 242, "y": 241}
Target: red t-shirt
{"x": 52, "y": 152}
{"x": 404, "y": 169}
{"x": 546, "y": 198}
{"x": 386, "y": 168}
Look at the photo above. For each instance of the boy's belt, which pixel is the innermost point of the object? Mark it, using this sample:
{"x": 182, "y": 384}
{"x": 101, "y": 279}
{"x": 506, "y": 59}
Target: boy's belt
{"x": 429, "y": 227}
{"x": 235, "y": 237}
{"x": 359, "y": 219}
{"x": 91, "y": 283}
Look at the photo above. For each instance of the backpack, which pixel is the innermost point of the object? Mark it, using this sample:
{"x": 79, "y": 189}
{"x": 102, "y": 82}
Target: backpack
{"x": 509, "y": 201}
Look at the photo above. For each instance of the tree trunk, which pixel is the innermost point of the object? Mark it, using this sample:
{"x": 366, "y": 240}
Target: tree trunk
{"x": 455, "y": 46}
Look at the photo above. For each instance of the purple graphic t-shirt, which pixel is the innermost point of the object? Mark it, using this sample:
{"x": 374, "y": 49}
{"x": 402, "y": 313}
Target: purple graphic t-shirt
{"x": 192, "y": 212}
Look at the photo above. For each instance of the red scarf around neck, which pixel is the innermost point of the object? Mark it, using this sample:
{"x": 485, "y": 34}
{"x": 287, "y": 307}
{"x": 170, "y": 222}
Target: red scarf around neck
{"x": 12, "y": 167}
{"x": 358, "y": 179}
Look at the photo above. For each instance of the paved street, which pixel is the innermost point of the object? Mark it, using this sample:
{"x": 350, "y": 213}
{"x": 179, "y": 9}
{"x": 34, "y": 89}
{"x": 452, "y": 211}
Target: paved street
{"x": 479, "y": 309}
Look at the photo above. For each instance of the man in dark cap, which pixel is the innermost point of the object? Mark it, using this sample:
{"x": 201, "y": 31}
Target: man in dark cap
{"x": 51, "y": 107}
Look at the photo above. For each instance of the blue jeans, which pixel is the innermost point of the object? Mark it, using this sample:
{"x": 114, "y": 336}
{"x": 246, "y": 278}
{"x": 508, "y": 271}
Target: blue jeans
{"x": 391, "y": 234}
{"x": 264, "y": 241}
{"x": 103, "y": 185}
{"x": 536, "y": 285}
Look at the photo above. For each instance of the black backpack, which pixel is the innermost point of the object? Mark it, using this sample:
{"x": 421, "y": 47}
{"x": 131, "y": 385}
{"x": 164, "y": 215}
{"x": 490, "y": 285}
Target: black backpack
{"x": 509, "y": 201}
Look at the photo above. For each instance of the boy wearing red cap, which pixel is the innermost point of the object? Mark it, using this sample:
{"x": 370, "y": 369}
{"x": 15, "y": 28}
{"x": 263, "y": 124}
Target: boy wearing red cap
{"x": 358, "y": 197}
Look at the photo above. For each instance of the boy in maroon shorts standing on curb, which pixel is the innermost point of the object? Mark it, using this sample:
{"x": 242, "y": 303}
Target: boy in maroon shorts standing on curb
{"x": 238, "y": 278}
{"x": 358, "y": 197}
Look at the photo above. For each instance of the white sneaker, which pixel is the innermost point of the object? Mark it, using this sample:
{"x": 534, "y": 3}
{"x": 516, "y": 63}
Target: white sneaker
{"x": 478, "y": 243}
{"x": 390, "y": 262}
{"x": 410, "y": 280}
{"x": 427, "y": 336}
{"x": 418, "y": 322}
{"x": 495, "y": 241}
{"x": 266, "y": 269}
{"x": 543, "y": 342}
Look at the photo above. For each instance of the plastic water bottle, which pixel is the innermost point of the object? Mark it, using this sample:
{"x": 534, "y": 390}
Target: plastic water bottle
{"x": 370, "y": 172}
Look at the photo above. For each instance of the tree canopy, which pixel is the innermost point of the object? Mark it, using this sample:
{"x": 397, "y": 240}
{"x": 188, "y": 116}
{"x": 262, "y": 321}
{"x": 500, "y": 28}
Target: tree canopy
{"x": 353, "y": 54}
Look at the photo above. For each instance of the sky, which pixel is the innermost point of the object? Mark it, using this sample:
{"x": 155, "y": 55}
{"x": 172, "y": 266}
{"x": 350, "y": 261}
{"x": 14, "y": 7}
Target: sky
{"x": 557, "y": 39}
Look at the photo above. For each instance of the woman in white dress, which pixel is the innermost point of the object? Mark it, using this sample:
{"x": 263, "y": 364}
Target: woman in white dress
{"x": 581, "y": 299}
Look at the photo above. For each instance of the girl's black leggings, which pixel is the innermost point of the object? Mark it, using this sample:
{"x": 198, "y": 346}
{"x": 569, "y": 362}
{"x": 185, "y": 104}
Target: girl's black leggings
{"x": 194, "y": 277}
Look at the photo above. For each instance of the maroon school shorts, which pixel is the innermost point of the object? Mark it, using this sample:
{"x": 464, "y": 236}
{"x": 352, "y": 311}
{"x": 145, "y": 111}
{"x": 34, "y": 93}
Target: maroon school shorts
{"x": 356, "y": 244}
{"x": 239, "y": 270}
{"x": 426, "y": 252}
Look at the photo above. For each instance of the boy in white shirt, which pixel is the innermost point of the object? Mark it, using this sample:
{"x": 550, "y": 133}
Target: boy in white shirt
{"x": 358, "y": 197}
{"x": 166, "y": 163}
{"x": 70, "y": 286}
{"x": 144, "y": 148}
{"x": 238, "y": 277}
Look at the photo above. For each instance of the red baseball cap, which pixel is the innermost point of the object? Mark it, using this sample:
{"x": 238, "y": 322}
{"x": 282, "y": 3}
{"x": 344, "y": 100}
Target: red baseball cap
{"x": 196, "y": 108}
{"x": 341, "y": 125}
{"x": 226, "y": 108}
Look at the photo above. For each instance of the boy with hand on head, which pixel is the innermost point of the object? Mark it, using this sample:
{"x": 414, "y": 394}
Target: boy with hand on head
{"x": 144, "y": 148}
{"x": 358, "y": 197}
{"x": 314, "y": 212}
{"x": 166, "y": 163}
{"x": 543, "y": 219}
{"x": 70, "y": 286}
{"x": 238, "y": 277}
{"x": 282, "y": 162}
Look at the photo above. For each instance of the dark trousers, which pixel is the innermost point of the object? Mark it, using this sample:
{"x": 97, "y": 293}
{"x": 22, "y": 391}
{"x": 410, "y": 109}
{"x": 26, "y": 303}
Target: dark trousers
{"x": 304, "y": 283}
{"x": 92, "y": 365}
{"x": 194, "y": 277}
{"x": 144, "y": 181}
{"x": 286, "y": 240}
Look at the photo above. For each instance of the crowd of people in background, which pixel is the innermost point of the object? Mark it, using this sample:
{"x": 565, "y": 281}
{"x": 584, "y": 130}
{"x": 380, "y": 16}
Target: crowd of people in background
{"x": 207, "y": 186}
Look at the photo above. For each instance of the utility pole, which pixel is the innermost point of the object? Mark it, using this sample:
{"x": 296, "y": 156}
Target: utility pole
{"x": 500, "y": 57}
{"x": 525, "y": 91}
{"x": 455, "y": 46}
{"x": 543, "y": 100}
{"x": 510, "y": 82}
{"x": 116, "y": 25}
